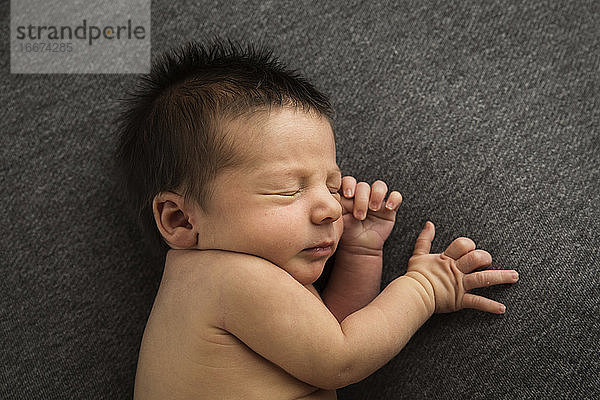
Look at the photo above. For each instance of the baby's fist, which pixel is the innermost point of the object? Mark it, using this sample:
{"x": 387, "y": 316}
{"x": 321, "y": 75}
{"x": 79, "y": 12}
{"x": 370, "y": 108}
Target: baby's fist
{"x": 368, "y": 218}
{"x": 368, "y": 198}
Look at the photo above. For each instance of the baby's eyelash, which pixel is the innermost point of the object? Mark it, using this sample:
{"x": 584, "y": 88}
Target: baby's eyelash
{"x": 334, "y": 191}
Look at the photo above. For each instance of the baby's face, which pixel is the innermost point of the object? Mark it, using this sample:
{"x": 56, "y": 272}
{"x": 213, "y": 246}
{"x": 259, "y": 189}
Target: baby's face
{"x": 286, "y": 202}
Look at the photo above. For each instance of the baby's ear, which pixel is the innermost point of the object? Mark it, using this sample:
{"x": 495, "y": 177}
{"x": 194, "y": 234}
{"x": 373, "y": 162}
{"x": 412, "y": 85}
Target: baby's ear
{"x": 172, "y": 220}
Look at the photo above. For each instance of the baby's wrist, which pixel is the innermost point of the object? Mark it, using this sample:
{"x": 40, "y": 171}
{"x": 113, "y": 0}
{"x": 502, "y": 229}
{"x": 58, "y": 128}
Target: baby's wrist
{"x": 358, "y": 259}
{"x": 425, "y": 289}
{"x": 359, "y": 251}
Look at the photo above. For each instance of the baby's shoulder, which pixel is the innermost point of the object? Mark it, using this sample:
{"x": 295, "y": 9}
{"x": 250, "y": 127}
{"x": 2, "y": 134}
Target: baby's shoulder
{"x": 211, "y": 268}
{"x": 208, "y": 275}
{"x": 192, "y": 285}
{"x": 209, "y": 261}
{"x": 196, "y": 280}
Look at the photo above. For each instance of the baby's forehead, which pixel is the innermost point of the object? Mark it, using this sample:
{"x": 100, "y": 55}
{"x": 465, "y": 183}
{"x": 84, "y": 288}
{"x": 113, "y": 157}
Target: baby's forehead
{"x": 258, "y": 120}
{"x": 266, "y": 133}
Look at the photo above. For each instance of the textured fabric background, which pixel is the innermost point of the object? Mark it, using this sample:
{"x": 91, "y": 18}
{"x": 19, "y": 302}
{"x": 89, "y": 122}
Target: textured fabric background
{"x": 484, "y": 115}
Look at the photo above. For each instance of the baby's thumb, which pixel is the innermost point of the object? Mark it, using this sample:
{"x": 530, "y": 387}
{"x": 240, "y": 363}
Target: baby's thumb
{"x": 347, "y": 204}
{"x": 423, "y": 244}
{"x": 429, "y": 225}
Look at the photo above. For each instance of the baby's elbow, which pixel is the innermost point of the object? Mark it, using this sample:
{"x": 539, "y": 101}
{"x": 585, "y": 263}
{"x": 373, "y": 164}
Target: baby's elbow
{"x": 335, "y": 373}
{"x": 339, "y": 379}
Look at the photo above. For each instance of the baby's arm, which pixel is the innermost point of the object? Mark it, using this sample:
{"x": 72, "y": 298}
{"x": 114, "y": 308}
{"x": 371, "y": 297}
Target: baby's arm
{"x": 281, "y": 320}
{"x": 354, "y": 282}
{"x": 368, "y": 220}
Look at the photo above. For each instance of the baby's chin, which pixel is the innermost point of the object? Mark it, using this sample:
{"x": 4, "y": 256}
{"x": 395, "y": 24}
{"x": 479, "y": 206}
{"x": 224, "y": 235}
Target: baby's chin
{"x": 306, "y": 271}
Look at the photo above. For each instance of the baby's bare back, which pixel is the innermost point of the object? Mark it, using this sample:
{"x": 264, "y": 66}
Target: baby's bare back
{"x": 184, "y": 354}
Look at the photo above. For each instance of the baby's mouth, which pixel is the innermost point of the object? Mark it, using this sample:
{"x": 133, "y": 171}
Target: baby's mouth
{"x": 321, "y": 249}
{"x": 321, "y": 245}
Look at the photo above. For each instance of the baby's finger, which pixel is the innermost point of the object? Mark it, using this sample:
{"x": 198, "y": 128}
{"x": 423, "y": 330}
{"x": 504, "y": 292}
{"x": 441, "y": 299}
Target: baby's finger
{"x": 487, "y": 278}
{"x": 459, "y": 247}
{"x": 348, "y": 186}
{"x": 378, "y": 191}
{"x": 361, "y": 200}
{"x": 347, "y": 205}
{"x": 423, "y": 244}
{"x": 483, "y": 304}
{"x": 473, "y": 260}
{"x": 394, "y": 200}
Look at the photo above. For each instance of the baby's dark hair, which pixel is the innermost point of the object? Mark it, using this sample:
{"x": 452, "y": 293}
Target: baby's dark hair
{"x": 170, "y": 128}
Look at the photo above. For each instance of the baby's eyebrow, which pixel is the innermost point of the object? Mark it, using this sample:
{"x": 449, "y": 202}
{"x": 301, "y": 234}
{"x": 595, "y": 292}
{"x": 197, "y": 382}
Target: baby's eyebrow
{"x": 303, "y": 172}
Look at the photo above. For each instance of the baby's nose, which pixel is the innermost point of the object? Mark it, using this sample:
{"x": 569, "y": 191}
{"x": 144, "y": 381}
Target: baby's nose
{"x": 327, "y": 210}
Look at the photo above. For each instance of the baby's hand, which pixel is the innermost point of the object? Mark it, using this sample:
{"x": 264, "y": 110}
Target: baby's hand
{"x": 368, "y": 220}
{"x": 450, "y": 274}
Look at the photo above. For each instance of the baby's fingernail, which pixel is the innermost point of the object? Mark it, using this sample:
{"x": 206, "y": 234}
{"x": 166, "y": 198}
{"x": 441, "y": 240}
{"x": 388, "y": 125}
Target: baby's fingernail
{"x": 389, "y": 206}
{"x": 515, "y": 275}
{"x": 348, "y": 193}
{"x": 359, "y": 215}
{"x": 502, "y": 309}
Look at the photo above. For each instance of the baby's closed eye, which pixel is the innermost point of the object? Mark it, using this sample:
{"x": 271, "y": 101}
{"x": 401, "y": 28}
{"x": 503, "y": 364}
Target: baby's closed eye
{"x": 288, "y": 194}
{"x": 334, "y": 191}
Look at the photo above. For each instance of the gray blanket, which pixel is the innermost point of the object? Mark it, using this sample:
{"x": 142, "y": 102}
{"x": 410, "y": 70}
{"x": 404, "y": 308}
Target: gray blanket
{"x": 484, "y": 115}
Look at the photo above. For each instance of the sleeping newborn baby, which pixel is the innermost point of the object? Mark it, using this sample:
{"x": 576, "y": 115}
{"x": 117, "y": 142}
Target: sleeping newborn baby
{"x": 230, "y": 160}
